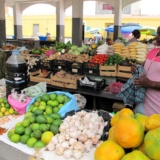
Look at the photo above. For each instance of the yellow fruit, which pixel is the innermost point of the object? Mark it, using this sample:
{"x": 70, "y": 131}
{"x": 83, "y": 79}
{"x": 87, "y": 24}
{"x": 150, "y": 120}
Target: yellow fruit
{"x": 128, "y": 133}
{"x": 6, "y": 113}
{"x": 153, "y": 122}
{"x": 11, "y": 111}
{"x": 109, "y": 150}
{"x": 142, "y": 119}
{"x": 46, "y": 137}
{"x": 1, "y": 114}
{"x": 135, "y": 155}
{"x": 125, "y": 112}
{"x": 152, "y": 144}
{"x": 111, "y": 134}
{"x": 3, "y": 109}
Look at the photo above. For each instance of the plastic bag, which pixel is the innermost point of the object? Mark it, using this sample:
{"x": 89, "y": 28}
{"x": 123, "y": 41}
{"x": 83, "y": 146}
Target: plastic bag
{"x": 115, "y": 87}
{"x": 69, "y": 106}
{"x": 2, "y": 88}
{"x": 20, "y": 107}
{"x": 36, "y": 90}
{"x": 81, "y": 100}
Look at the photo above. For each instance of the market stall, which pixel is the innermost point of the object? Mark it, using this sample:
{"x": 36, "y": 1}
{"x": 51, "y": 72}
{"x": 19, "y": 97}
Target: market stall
{"x": 45, "y": 115}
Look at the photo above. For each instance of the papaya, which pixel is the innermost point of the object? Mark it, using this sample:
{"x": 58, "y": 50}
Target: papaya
{"x": 109, "y": 150}
{"x": 152, "y": 144}
{"x": 128, "y": 133}
{"x": 135, "y": 155}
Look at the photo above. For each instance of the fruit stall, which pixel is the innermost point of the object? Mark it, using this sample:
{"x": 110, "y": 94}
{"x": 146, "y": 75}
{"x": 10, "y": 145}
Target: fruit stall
{"x": 43, "y": 107}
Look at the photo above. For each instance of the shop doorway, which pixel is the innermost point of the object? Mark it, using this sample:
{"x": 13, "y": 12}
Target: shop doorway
{"x": 35, "y": 30}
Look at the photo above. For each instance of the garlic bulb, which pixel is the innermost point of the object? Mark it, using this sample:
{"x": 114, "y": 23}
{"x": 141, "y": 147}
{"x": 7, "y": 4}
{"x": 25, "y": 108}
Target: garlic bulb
{"x": 90, "y": 134}
{"x": 50, "y": 147}
{"x": 77, "y": 154}
{"x": 67, "y": 153}
{"x": 62, "y": 127}
{"x": 82, "y": 137}
{"x": 54, "y": 140}
{"x": 61, "y": 138}
{"x": 95, "y": 140}
{"x": 65, "y": 144}
{"x": 88, "y": 145}
{"x": 72, "y": 140}
{"x": 59, "y": 150}
{"x": 78, "y": 146}
{"x": 73, "y": 134}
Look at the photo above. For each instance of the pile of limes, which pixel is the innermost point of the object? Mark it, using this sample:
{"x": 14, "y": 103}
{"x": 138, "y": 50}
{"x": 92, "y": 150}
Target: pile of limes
{"x": 5, "y": 108}
{"x": 40, "y": 123}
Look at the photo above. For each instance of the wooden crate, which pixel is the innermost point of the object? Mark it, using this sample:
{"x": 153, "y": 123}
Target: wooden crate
{"x": 124, "y": 71}
{"x": 64, "y": 83}
{"x": 109, "y": 71}
{"x": 37, "y": 77}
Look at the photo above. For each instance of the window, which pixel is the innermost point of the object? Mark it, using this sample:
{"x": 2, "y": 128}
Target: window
{"x": 107, "y": 7}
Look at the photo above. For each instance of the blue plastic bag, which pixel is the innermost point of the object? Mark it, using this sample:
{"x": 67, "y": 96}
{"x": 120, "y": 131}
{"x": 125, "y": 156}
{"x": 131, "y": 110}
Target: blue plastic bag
{"x": 69, "y": 106}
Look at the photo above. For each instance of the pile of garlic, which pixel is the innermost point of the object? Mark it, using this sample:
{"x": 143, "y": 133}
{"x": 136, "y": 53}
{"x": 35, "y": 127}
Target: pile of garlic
{"x": 78, "y": 134}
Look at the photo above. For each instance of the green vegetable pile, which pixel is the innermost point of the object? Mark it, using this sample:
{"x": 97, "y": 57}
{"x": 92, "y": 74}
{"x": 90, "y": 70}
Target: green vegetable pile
{"x": 60, "y": 46}
{"x": 77, "y": 50}
{"x": 113, "y": 59}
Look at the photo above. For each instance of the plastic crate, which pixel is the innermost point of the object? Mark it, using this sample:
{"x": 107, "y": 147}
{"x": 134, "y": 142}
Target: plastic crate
{"x": 75, "y": 68}
{"x": 59, "y": 65}
{"x": 91, "y": 68}
{"x": 98, "y": 86}
{"x": 46, "y": 64}
{"x": 42, "y": 38}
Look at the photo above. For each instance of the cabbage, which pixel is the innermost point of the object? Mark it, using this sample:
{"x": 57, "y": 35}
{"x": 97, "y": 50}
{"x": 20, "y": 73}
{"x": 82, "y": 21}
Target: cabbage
{"x": 76, "y": 52}
{"x": 73, "y": 48}
{"x": 70, "y": 51}
{"x": 80, "y": 49}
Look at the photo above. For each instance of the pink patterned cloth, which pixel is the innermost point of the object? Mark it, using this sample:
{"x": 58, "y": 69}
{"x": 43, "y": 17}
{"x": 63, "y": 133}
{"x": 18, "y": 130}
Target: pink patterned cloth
{"x": 152, "y": 71}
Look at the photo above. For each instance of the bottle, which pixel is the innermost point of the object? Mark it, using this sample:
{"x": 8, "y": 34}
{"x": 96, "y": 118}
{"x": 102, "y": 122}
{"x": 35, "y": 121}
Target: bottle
{"x": 16, "y": 72}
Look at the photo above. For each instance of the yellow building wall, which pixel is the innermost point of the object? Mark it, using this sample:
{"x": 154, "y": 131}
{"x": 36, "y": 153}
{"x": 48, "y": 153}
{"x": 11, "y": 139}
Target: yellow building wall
{"x": 47, "y": 23}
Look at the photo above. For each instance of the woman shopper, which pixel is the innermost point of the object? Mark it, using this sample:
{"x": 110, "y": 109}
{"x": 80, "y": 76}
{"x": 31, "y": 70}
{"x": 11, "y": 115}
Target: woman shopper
{"x": 150, "y": 80}
{"x": 136, "y": 35}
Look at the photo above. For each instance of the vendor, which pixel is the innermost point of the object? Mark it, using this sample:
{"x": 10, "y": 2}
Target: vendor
{"x": 109, "y": 41}
{"x": 136, "y": 35}
{"x": 150, "y": 80}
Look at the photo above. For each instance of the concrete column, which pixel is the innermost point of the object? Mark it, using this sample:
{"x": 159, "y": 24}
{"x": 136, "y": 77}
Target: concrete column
{"x": 60, "y": 20}
{"x": 2, "y": 22}
{"x": 117, "y": 18}
{"x": 17, "y": 21}
{"x": 77, "y": 22}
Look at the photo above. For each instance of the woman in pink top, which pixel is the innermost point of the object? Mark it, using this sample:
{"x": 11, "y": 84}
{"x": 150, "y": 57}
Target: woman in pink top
{"x": 151, "y": 81}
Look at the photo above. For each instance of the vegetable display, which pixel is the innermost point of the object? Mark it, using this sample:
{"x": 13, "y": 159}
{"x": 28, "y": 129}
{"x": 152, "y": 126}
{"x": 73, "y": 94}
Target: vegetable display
{"x": 99, "y": 58}
{"x": 78, "y": 134}
{"x": 113, "y": 59}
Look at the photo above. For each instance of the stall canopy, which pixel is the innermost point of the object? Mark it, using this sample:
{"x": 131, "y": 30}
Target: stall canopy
{"x": 148, "y": 30}
{"x": 126, "y": 28}
{"x": 94, "y": 30}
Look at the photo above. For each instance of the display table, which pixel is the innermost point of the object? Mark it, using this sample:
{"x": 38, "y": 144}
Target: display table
{"x": 19, "y": 151}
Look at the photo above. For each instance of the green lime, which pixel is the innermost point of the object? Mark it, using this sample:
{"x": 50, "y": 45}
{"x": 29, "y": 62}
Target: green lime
{"x": 18, "y": 124}
{"x": 28, "y": 131}
{"x": 49, "y": 119}
{"x": 28, "y": 114}
{"x": 37, "y": 134}
{"x": 57, "y": 122}
{"x": 60, "y": 98}
{"x": 66, "y": 99}
{"x": 38, "y": 99}
{"x": 31, "y": 142}
{"x": 34, "y": 108}
{"x": 19, "y": 130}
{"x": 38, "y": 112}
{"x": 43, "y": 127}
{"x": 41, "y": 119}
{"x": 55, "y": 110}
{"x": 36, "y": 104}
{"x": 41, "y": 107}
{"x": 49, "y": 102}
{"x": 24, "y": 139}
{"x": 45, "y": 97}
{"x": 56, "y": 116}
{"x": 52, "y": 96}
{"x": 10, "y": 133}
{"x": 48, "y": 111}
{"x": 60, "y": 106}
{"x": 26, "y": 122}
{"x": 15, "y": 138}
{"x": 35, "y": 126}
{"x": 30, "y": 108}
{"x": 54, "y": 129}
{"x": 42, "y": 103}
{"x": 54, "y": 103}
{"x": 15, "y": 112}
{"x": 7, "y": 106}
{"x": 33, "y": 119}
{"x": 5, "y": 100}
{"x": 39, "y": 144}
